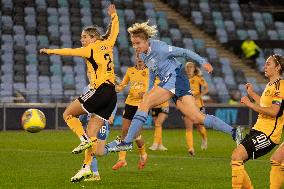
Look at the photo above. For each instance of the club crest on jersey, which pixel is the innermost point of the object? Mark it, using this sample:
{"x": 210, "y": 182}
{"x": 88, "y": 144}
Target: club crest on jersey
{"x": 103, "y": 48}
{"x": 143, "y": 73}
{"x": 267, "y": 93}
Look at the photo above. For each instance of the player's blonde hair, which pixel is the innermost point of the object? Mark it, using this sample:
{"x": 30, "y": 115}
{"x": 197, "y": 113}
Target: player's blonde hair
{"x": 142, "y": 30}
{"x": 196, "y": 69}
{"x": 93, "y": 31}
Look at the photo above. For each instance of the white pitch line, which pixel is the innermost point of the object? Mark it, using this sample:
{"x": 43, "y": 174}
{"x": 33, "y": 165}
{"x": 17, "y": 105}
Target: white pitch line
{"x": 150, "y": 155}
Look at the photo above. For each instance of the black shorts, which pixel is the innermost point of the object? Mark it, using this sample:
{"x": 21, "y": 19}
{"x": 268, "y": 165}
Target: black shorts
{"x": 129, "y": 111}
{"x": 101, "y": 101}
{"x": 155, "y": 111}
{"x": 257, "y": 144}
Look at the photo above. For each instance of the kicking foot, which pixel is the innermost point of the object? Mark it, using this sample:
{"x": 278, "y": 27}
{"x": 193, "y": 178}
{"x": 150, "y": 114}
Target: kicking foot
{"x": 119, "y": 164}
{"x": 122, "y": 146}
{"x": 237, "y": 135}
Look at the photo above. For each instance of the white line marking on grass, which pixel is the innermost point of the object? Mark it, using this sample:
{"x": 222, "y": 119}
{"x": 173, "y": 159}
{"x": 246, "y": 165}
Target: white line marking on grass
{"x": 150, "y": 155}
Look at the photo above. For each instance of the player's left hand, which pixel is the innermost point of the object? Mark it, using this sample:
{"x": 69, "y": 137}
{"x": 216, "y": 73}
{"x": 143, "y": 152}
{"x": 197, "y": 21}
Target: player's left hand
{"x": 44, "y": 51}
{"x": 141, "y": 94}
{"x": 245, "y": 100}
{"x": 111, "y": 9}
{"x": 208, "y": 67}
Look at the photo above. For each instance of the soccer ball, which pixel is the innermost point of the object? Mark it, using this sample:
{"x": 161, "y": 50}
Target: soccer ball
{"x": 33, "y": 120}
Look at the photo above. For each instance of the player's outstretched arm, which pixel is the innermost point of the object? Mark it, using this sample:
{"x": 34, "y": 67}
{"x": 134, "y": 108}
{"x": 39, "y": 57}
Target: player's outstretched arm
{"x": 113, "y": 28}
{"x": 188, "y": 54}
{"x": 81, "y": 52}
{"x": 124, "y": 82}
{"x": 272, "y": 111}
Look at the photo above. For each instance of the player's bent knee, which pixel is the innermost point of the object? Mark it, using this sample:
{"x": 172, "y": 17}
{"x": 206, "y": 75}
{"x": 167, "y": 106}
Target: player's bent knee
{"x": 194, "y": 119}
{"x": 235, "y": 155}
{"x": 100, "y": 153}
{"x": 144, "y": 105}
{"x": 67, "y": 116}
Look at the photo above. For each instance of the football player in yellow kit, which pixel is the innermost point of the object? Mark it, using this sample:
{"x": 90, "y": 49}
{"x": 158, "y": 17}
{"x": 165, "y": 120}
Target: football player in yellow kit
{"x": 277, "y": 158}
{"x": 277, "y": 168}
{"x": 101, "y": 98}
{"x": 138, "y": 78}
{"x": 198, "y": 87}
{"x": 266, "y": 132}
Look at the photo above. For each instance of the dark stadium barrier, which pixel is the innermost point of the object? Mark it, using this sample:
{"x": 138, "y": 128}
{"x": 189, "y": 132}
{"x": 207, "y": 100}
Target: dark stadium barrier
{"x": 10, "y": 115}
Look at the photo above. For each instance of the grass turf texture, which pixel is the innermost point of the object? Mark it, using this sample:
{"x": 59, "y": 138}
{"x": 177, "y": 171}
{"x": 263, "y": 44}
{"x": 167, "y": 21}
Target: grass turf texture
{"x": 44, "y": 160}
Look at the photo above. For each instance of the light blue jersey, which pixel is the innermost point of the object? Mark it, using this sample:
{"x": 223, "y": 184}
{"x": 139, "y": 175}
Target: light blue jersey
{"x": 161, "y": 61}
{"x": 161, "y": 58}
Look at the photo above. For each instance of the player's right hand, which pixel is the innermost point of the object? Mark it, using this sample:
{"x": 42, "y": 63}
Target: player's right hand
{"x": 245, "y": 100}
{"x": 118, "y": 88}
{"x": 208, "y": 67}
{"x": 44, "y": 51}
{"x": 249, "y": 88}
{"x": 111, "y": 9}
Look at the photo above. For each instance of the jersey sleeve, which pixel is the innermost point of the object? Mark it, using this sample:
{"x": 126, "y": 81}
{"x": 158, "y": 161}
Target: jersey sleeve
{"x": 125, "y": 79}
{"x": 278, "y": 96}
{"x": 113, "y": 30}
{"x": 188, "y": 54}
{"x": 81, "y": 52}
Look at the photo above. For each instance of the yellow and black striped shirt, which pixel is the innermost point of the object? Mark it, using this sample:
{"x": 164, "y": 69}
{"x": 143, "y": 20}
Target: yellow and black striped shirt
{"x": 98, "y": 55}
{"x": 272, "y": 126}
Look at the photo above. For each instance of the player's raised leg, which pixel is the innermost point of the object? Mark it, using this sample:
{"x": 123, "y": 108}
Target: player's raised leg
{"x": 154, "y": 97}
{"x": 75, "y": 109}
{"x": 197, "y": 117}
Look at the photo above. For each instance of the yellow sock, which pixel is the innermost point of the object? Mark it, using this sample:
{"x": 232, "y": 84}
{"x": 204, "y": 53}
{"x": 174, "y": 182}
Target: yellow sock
{"x": 75, "y": 125}
{"x": 247, "y": 182}
{"x": 142, "y": 150}
{"x": 282, "y": 168}
{"x": 122, "y": 156}
{"x": 89, "y": 153}
{"x": 237, "y": 174}
{"x": 203, "y": 132}
{"x": 158, "y": 134}
{"x": 189, "y": 139}
{"x": 276, "y": 175}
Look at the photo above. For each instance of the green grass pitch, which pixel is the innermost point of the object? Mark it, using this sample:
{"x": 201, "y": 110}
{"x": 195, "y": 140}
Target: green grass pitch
{"x": 44, "y": 160}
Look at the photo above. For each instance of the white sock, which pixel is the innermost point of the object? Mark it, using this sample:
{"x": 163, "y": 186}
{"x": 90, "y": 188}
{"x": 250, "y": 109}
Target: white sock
{"x": 96, "y": 173}
{"x": 84, "y": 138}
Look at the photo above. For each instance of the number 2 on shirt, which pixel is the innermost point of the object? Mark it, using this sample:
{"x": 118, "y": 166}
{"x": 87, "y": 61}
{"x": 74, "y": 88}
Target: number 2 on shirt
{"x": 107, "y": 57}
